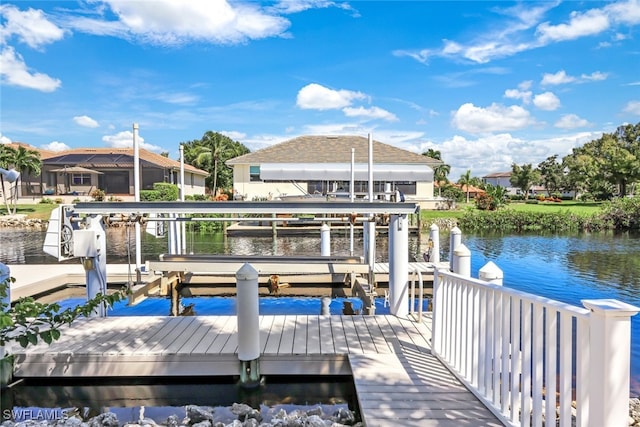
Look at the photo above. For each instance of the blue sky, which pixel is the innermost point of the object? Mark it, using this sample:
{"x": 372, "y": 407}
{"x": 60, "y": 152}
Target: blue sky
{"x": 488, "y": 83}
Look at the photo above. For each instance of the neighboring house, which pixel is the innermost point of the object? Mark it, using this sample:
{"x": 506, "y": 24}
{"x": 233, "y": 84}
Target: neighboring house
{"x": 320, "y": 166}
{"x": 82, "y": 170}
{"x": 498, "y": 179}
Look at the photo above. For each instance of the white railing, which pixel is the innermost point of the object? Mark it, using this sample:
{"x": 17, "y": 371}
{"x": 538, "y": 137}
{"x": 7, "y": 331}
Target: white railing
{"x": 531, "y": 359}
{"x": 417, "y": 276}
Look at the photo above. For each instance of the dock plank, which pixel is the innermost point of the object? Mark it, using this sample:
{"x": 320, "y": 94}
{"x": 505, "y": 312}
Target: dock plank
{"x": 300, "y": 335}
{"x": 272, "y": 344}
{"x": 326, "y": 335}
{"x": 398, "y": 381}
{"x": 288, "y": 332}
{"x": 313, "y": 335}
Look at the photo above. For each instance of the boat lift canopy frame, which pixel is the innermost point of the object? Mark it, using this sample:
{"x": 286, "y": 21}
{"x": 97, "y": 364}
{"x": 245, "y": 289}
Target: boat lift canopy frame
{"x": 238, "y": 207}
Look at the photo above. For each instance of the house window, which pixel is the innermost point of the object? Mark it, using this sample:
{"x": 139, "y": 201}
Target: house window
{"x": 81, "y": 179}
{"x": 254, "y": 173}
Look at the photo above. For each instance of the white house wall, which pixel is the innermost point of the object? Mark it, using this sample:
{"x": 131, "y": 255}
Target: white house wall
{"x": 259, "y": 189}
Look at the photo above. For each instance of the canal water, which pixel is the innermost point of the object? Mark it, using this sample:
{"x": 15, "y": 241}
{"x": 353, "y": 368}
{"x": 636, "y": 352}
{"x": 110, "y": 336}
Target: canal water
{"x": 567, "y": 268}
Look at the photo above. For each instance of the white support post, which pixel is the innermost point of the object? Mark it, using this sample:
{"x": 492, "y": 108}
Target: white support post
{"x": 434, "y": 244}
{"x": 136, "y": 195}
{"x": 96, "y": 267}
{"x": 399, "y": 265}
{"x": 247, "y": 312}
{"x": 352, "y": 196}
{"x": 491, "y": 273}
{"x": 462, "y": 260}
{"x": 183, "y": 225}
{"x": 610, "y": 358}
{"x": 455, "y": 238}
{"x": 325, "y": 240}
{"x": 5, "y": 274}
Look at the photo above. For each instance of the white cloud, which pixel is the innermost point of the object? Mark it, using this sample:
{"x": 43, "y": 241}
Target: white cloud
{"x": 514, "y": 33}
{"x": 370, "y": 113}
{"x": 85, "y": 121}
{"x": 317, "y": 97}
{"x": 30, "y": 27}
{"x": 55, "y": 146}
{"x": 558, "y": 78}
{"x": 624, "y": 12}
{"x": 561, "y": 77}
{"x": 14, "y": 72}
{"x": 595, "y": 76}
{"x": 571, "y": 121}
{"x": 547, "y": 101}
{"x": 591, "y": 22}
{"x": 495, "y": 118}
{"x": 525, "y": 96}
{"x": 124, "y": 139}
{"x": 5, "y": 139}
{"x": 167, "y": 22}
{"x": 235, "y": 135}
{"x": 496, "y": 153}
{"x": 632, "y": 107}
{"x": 179, "y": 98}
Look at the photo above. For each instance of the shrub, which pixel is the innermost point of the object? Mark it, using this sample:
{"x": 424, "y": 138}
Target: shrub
{"x": 45, "y": 201}
{"x": 98, "y": 195}
{"x": 622, "y": 213}
{"x": 162, "y": 191}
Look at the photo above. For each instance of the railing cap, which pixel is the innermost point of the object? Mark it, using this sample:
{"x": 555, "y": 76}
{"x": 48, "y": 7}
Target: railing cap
{"x": 610, "y": 307}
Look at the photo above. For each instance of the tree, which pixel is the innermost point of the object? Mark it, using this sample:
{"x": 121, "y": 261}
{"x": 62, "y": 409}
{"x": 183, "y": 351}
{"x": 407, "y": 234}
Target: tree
{"x": 466, "y": 180}
{"x": 441, "y": 171}
{"x": 607, "y": 165}
{"x": 6, "y": 158}
{"x": 552, "y": 174}
{"x": 28, "y": 163}
{"x": 210, "y": 153}
{"x": 434, "y": 154}
{"x": 524, "y": 177}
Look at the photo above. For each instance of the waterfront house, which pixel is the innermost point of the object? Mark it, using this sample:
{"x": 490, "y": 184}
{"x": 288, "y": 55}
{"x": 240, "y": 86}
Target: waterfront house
{"x": 79, "y": 171}
{"x": 320, "y": 166}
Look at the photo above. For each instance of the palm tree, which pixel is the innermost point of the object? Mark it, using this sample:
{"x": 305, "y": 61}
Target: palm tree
{"x": 466, "y": 180}
{"x": 28, "y": 161}
{"x": 434, "y": 154}
{"x": 440, "y": 173}
{"x": 6, "y": 160}
{"x": 212, "y": 151}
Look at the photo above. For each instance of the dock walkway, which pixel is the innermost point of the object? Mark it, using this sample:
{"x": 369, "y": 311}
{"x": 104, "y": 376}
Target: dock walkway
{"x": 398, "y": 381}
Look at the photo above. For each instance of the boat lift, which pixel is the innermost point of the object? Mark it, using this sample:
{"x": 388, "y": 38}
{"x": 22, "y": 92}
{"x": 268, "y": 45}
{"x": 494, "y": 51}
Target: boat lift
{"x": 77, "y": 231}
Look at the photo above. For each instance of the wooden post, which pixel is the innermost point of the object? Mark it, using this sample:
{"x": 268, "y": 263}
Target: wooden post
{"x": 610, "y": 359}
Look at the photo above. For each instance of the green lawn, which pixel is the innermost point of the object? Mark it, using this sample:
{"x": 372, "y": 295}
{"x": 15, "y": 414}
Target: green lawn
{"x": 41, "y": 211}
{"x": 580, "y": 208}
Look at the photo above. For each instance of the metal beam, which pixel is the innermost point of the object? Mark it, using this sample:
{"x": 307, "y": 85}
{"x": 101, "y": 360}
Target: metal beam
{"x": 237, "y": 207}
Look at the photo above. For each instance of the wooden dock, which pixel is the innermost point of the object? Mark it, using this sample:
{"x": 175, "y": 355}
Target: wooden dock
{"x": 397, "y": 380}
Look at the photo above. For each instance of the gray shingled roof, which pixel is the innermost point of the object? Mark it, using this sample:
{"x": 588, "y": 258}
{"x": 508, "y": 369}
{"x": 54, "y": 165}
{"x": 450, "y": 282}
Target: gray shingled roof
{"x": 331, "y": 149}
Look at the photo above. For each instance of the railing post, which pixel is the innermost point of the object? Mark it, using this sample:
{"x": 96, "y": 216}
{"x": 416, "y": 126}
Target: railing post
{"x": 434, "y": 244}
{"x": 436, "y": 342}
{"x": 491, "y": 273}
{"x": 609, "y": 359}
{"x": 455, "y": 238}
{"x": 462, "y": 260}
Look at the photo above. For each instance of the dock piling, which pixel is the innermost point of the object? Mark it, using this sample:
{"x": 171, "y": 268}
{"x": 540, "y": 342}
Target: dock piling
{"x": 247, "y": 313}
